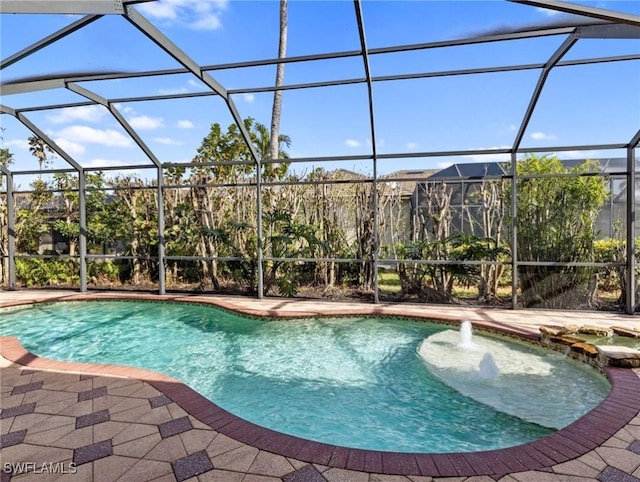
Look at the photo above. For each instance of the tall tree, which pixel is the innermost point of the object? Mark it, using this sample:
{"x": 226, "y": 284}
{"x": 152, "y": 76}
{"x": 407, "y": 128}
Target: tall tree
{"x": 556, "y": 221}
{"x": 135, "y": 209}
{"x": 6, "y": 156}
{"x": 66, "y": 217}
{"x": 276, "y": 112}
{"x": 32, "y": 219}
{"x": 40, "y": 150}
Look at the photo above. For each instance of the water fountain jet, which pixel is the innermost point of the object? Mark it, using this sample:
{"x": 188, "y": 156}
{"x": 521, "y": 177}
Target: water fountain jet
{"x": 487, "y": 368}
{"x": 466, "y": 336}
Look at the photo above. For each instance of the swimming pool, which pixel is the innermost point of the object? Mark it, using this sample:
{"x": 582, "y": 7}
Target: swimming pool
{"x": 356, "y": 382}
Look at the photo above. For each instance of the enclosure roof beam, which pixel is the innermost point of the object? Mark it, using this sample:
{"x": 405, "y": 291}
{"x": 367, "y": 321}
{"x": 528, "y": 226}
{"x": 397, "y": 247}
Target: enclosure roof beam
{"x": 31, "y": 86}
{"x": 149, "y": 30}
{"x": 26, "y": 86}
{"x": 553, "y": 60}
{"x": 598, "y": 60}
{"x": 368, "y": 78}
{"x": 31, "y": 172}
{"x": 516, "y": 35}
{"x": 115, "y": 113}
{"x": 7, "y": 110}
{"x": 569, "y": 7}
{"x": 162, "y": 41}
{"x": 73, "y": 7}
{"x": 609, "y": 31}
{"x": 374, "y": 151}
{"x": 94, "y": 76}
{"x": 635, "y": 141}
{"x": 327, "y": 56}
{"x": 89, "y": 169}
{"x": 584, "y": 147}
{"x": 48, "y": 40}
{"x": 362, "y": 157}
{"x": 55, "y": 106}
{"x": 55, "y": 147}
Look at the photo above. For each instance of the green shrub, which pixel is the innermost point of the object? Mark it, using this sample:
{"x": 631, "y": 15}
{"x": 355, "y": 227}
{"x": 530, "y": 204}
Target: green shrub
{"x": 47, "y": 272}
{"x": 103, "y": 271}
{"x": 556, "y": 221}
{"x": 612, "y": 278}
{"x": 609, "y": 251}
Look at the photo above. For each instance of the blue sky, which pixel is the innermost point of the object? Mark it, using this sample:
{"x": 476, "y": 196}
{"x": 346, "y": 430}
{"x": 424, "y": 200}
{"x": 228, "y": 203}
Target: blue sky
{"x": 592, "y": 104}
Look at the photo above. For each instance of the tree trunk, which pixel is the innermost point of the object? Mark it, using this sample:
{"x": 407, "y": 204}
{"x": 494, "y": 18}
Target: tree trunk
{"x": 135, "y": 236}
{"x": 276, "y": 112}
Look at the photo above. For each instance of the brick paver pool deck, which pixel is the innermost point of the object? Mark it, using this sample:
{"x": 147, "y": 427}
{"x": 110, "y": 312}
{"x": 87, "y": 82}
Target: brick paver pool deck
{"x": 71, "y": 421}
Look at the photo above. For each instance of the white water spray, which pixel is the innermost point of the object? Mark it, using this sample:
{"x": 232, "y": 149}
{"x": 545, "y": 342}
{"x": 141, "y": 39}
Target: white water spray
{"x": 466, "y": 336}
{"x": 487, "y": 369}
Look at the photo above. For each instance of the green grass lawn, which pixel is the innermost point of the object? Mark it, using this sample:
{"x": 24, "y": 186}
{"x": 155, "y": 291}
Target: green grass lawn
{"x": 389, "y": 282}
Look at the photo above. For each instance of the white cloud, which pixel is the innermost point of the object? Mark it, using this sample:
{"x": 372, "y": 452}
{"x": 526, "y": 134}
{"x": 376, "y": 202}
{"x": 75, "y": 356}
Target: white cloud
{"x": 581, "y": 155}
{"x": 210, "y": 21}
{"x": 107, "y": 137}
{"x": 146, "y": 123}
{"x": 70, "y": 147}
{"x": 490, "y": 157}
{"x": 540, "y": 136}
{"x": 249, "y": 98}
{"x": 177, "y": 90}
{"x": 185, "y": 124}
{"x": 167, "y": 141}
{"x": 123, "y": 109}
{"x": 102, "y": 163}
{"x": 17, "y": 143}
{"x": 164, "y": 10}
{"x": 89, "y": 113}
{"x": 191, "y": 85}
{"x": 548, "y": 12}
{"x": 351, "y": 143}
{"x": 194, "y": 14}
{"x": 97, "y": 163}
{"x": 412, "y": 145}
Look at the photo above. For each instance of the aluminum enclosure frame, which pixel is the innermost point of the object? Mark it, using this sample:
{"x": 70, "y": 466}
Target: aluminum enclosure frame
{"x": 602, "y": 24}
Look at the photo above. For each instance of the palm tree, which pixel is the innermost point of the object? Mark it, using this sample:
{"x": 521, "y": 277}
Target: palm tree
{"x": 276, "y": 112}
{"x": 265, "y": 148}
{"x": 39, "y": 149}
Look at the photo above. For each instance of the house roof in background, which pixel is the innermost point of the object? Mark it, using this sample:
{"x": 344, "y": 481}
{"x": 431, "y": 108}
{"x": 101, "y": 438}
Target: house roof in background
{"x": 410, "y": 178}
{"x": 479, "y": 170}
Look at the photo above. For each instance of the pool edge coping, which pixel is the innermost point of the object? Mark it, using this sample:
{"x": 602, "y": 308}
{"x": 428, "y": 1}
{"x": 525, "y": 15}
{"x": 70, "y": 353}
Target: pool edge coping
{"x": 590, "y": 431}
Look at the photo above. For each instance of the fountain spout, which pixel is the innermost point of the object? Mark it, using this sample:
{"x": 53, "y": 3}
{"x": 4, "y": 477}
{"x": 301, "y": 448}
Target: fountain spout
{"x": 466, "y": 337}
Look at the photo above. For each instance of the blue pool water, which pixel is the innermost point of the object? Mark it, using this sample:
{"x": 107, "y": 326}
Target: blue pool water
{"x": 356, "y": 382}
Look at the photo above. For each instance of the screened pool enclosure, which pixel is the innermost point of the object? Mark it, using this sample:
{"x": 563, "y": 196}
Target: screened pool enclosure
{"x": 314, "y": 149}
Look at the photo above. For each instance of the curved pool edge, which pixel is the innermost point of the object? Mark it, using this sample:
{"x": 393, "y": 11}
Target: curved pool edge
{"x": 386, "y": 310}
{"x": 587, "y": 433}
